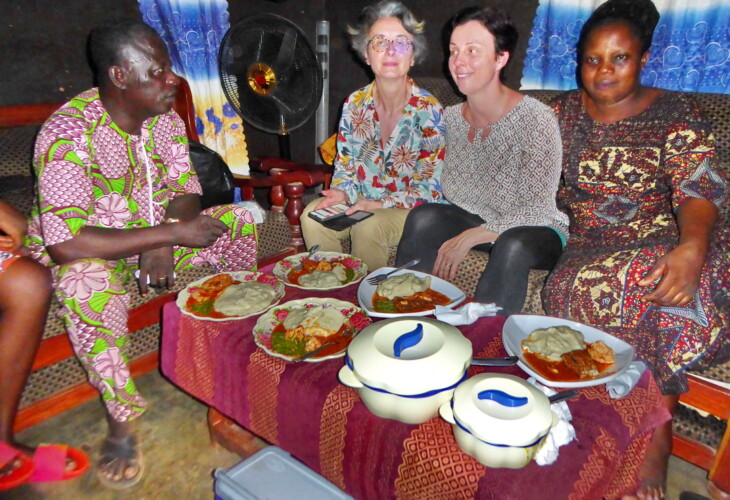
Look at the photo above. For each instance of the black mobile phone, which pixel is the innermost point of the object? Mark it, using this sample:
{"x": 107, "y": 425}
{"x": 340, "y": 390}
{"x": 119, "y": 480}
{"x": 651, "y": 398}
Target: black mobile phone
{"x": 342, "y": 221}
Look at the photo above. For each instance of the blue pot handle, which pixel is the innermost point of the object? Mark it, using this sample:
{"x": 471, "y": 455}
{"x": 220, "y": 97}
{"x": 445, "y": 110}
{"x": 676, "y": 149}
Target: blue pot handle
{"x": 407, "y": 340}
{"x": 502, "y": 398}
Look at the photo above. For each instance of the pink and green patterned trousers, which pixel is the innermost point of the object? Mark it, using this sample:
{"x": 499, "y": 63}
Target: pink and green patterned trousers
{"x": 95, "y": 303}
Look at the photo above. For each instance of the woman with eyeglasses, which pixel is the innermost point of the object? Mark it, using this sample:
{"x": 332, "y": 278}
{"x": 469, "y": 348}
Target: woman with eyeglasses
{"x": 500, "y": 176}
{"x": 390, "y": 144}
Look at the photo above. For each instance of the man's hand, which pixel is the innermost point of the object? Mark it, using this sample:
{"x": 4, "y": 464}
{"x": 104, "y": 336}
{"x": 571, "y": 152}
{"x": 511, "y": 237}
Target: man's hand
{"x": 453, "y": 251}
{"x": 331, "y": 197}
{"x": 156, "y": 268}
{"x": 678, "y": 273}
{"x": 200, "y": 232}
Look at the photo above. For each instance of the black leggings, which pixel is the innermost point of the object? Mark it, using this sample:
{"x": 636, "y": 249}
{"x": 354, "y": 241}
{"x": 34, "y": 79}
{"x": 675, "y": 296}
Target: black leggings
{"x": 511, "y": 256}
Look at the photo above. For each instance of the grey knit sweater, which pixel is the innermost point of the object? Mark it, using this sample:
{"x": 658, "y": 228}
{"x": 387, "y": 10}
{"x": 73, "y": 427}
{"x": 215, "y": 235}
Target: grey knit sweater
{"x": 510, "y": 177}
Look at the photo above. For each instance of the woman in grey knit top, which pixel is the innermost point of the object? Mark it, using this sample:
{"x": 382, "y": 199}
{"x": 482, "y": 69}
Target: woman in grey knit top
{"x": 501, "y": 172}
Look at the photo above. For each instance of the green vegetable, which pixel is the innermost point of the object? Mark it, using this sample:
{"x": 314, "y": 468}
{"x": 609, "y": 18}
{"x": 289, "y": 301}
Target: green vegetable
{"x": 385, "y": 306}
{"x": 349, "y": 275}
{"x": 203, "y": 308}
{"x": 290, "y": 347}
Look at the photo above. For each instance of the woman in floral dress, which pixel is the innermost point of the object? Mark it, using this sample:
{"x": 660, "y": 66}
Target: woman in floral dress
{"x": 390, "y": 143}
{"x": 645, "y": 261}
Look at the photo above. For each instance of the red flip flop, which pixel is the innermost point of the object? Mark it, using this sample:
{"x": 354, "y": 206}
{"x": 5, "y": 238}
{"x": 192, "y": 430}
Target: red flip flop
{"x": 20, "y": 475}
{"x": 50, "y": 463}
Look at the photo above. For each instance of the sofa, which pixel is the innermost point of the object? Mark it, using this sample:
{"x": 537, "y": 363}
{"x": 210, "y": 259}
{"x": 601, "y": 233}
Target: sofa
{"x": 57, "y": 381}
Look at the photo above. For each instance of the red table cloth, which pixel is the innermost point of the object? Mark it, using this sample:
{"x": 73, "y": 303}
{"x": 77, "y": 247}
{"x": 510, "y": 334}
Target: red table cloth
{"x": 302, "y": 408}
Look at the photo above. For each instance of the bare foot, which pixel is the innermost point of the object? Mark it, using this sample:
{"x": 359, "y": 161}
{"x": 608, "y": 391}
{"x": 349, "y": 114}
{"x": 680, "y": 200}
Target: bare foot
{"x": 653, "y": 471}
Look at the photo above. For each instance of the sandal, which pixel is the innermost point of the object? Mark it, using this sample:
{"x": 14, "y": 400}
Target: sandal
{"x": 50, "y": 462}
{"x": 124, "y": 449}
{"x": 20, "y": 474}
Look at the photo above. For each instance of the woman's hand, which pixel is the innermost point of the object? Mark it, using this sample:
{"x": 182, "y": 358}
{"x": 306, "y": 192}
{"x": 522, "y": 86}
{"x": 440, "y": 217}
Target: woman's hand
{"x": 331, "y": 197}
{"x": 453, "y": 251}
{"x": 13, "y": 224}
{"x": 679, "y": 271}
{"x": 366, "y": 205}
{"x": 679, "y": 274}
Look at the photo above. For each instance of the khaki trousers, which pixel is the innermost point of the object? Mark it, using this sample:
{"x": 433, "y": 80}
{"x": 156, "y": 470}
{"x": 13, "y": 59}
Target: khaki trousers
{"x": 370, "y": 239}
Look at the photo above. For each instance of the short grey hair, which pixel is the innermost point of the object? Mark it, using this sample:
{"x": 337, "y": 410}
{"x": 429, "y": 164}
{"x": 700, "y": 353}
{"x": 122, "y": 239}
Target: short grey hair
{"x": 360, "y": 32}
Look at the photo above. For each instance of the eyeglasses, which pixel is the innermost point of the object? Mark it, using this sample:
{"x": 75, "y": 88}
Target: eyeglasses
{"x": 400, "y": 44}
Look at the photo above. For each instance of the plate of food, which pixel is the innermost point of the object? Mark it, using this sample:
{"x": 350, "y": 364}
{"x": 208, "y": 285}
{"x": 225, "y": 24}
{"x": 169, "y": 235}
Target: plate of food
{"x": 563, "y": 353}
{"x": 297, "y": 327}
{"x": 229, "y": 296}
{"x": 321, "y": 271}
{"x": 406, "y": 293}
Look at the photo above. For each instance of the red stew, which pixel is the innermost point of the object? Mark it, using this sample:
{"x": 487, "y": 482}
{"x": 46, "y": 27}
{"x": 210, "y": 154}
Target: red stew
{"x": 342, "y": 339}
{"x": 418, "y": 302}
{"x": 557, "y": 371}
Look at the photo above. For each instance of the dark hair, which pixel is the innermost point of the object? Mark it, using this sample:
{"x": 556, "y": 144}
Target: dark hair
{"x": 496, "y": 21}
{"x": 107, "y": 41}
{"x": 371, "y": 14}
{"x": 640, "y": 16}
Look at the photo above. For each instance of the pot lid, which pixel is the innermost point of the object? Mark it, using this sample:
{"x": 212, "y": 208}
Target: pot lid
{"x": 502, "y": 410}
{"x": 409, "y": 356}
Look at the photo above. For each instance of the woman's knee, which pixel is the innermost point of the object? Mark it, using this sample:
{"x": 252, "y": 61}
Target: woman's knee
{"x": 423, "y": 218}
{"x": 27, "y": 278}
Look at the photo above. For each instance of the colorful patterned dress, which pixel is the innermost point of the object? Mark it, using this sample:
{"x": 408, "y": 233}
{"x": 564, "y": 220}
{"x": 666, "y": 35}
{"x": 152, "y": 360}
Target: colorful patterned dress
{"x": 92, "y": 173}
{"x": 401, "y": 171}
{"x": 622, "y": 185}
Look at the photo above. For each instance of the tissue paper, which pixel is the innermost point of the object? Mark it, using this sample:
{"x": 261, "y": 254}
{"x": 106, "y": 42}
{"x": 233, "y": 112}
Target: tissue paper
{"x": 467, "y": 314}
{"x": 561, "y": 434}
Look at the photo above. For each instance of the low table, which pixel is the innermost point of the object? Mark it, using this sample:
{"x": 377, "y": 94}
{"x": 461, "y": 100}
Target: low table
{"x": 302, "y": 408}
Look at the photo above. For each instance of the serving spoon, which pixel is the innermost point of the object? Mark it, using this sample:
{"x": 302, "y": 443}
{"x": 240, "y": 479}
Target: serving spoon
{"x": 312, "y": 251}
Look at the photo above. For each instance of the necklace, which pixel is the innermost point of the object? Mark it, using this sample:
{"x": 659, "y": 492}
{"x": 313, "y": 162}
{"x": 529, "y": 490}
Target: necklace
{"x": 484, "y": 131}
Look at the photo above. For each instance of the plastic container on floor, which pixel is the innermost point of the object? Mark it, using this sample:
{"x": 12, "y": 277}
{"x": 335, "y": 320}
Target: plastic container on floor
{"x": 273, "y": 474}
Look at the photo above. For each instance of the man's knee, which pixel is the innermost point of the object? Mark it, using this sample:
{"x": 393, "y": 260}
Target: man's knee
{"x": 80, "y": 279}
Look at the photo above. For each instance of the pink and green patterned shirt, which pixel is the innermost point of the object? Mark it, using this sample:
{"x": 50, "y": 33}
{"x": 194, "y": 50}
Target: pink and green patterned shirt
{"x": 405, "y": 170}
{"x": 92, "y": 173}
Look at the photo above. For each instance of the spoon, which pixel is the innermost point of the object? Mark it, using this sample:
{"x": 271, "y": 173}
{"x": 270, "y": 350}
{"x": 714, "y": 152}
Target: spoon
{"x": 508, "y": 361}
{"x": 312, "y": 353}
{"x": 562, "y": 396}
{"x": 312, "y": 251}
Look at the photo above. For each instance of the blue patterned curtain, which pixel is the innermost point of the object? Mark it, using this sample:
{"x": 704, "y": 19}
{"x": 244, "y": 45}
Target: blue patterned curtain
{"x": 690, "y": 50}
{"x": 193, "y": 31}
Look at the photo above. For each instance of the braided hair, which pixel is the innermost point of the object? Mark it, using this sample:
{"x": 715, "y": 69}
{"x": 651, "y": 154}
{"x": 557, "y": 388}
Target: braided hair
{"x": 640, "y": 16}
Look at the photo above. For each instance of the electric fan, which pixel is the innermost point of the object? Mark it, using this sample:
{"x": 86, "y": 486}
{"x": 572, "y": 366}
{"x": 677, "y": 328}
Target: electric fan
{"x": 270, "y": 75}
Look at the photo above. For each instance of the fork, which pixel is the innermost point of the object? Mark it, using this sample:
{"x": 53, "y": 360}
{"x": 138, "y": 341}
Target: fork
{"x": 312, "y": 251}
{"x": 312, "y": 353}
{"x": 374, "y": 280}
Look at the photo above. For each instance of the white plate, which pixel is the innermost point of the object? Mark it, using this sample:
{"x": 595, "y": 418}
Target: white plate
{"x": 519, "y": 326}
{"x": 356, "y": 319}
{"x": 241, "y": 276}
{"x": 366, "y": 291}
{"x": 282, "y": 268}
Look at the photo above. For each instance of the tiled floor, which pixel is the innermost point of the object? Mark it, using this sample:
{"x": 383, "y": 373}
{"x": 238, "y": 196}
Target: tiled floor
{"x": 179, "y": 459}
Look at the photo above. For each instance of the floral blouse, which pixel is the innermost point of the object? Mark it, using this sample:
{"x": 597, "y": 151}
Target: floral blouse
{"x": 92, "y": 173}
{"x": 405, "y": 170}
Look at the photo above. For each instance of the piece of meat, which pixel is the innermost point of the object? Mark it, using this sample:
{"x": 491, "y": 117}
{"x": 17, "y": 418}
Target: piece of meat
{"x": 601, "y": 353}
{"x": 312, "y": 343}
{"x": 580, "y": 363}
{"x": 218, "y": 282}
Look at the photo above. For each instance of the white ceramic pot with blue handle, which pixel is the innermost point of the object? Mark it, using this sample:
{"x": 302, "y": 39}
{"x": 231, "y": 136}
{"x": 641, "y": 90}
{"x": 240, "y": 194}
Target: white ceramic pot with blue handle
{"x": 406, "y": 368}
{"x": 501, "y": 420}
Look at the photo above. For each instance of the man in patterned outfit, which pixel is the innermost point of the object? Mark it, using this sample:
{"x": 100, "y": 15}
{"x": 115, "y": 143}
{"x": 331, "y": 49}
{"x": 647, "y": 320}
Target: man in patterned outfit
{"x": 116, "y": 193}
